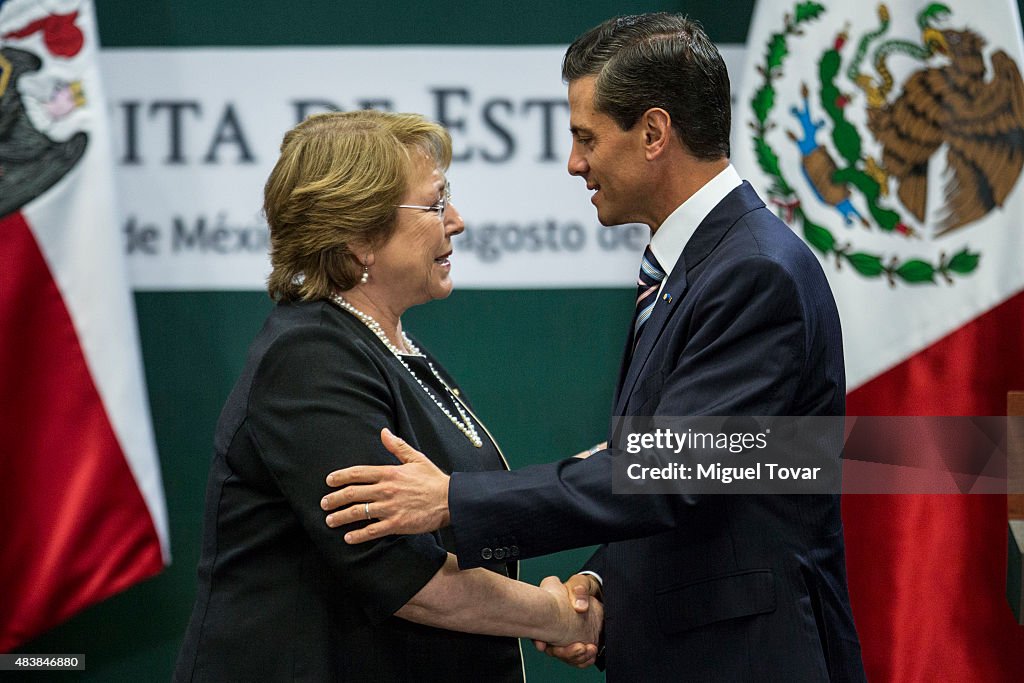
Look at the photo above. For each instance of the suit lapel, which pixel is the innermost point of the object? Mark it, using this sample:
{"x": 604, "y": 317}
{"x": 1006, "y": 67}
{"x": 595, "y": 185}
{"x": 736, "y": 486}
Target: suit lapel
{"x": 670, "y": 294}
{"x": 623, "y": 368}
{"x": 709, "y": 233}
{"x": 741, "y": 201}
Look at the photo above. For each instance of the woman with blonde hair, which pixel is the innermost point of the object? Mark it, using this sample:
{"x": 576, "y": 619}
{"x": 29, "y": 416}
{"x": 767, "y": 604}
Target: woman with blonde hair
{"x": 361, "y": 222}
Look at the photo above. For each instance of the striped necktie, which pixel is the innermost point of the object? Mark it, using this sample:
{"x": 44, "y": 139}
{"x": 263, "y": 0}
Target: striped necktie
{"x": 647, "y": 283}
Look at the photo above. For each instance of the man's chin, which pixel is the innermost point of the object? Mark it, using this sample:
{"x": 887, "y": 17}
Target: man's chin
{"x": 611, "y": 221}
{"x": 608, "y": 219}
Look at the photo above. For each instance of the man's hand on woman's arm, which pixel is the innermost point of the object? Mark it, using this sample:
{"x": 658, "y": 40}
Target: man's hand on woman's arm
{"x": 411, "y": 498}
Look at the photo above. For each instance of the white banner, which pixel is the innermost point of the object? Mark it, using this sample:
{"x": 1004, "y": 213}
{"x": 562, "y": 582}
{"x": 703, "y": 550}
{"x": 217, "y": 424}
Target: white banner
{"x": 196, "y": 132}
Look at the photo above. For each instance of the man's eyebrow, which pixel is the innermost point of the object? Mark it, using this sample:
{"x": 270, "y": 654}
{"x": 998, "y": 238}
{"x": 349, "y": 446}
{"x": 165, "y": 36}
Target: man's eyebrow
{"x": 575, "y": 130}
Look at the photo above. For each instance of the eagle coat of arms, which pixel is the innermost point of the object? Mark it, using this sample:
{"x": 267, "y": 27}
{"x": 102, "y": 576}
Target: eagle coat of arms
{"x": 914, "y": 135}
{"x": 31, "y": 160}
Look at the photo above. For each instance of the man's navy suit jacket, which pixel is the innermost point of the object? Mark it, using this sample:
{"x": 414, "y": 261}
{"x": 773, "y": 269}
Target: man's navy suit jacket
{"x": 722, "y": 587}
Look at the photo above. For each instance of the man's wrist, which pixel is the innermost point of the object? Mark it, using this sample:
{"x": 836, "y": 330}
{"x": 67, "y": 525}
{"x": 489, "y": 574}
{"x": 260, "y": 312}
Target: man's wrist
{"x": 595, "y": 584}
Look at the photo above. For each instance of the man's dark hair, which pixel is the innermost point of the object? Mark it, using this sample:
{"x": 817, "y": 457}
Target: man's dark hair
{"x": 657, "y": 60}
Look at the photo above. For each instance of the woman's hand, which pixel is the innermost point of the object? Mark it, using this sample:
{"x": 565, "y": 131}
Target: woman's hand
{"x": 583, "y": 617}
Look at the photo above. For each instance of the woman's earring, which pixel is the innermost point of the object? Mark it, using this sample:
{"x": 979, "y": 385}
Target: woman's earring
{"x": 365, "y": 276}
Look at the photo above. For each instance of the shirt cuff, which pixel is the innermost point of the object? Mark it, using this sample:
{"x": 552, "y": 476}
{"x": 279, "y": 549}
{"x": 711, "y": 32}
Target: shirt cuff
{"x": 597, "y": 577}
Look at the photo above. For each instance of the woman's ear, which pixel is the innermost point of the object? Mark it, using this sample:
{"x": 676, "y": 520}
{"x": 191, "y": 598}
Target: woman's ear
{"x": 363, "y": 254}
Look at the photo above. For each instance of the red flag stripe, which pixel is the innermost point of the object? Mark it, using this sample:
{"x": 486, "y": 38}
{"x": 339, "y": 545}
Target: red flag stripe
{"x": 76, "y": 529}
{"x": 928, "y": 573}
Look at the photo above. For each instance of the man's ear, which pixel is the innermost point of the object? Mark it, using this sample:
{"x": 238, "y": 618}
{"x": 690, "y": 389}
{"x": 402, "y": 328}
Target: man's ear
{"x": 657, "y": 130}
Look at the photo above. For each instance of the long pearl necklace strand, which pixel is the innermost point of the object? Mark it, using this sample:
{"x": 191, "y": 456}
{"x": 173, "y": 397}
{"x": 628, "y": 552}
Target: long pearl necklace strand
{"x": 465, "y": 425}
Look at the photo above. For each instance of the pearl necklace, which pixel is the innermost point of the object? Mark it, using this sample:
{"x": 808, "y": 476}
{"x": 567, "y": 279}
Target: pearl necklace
{"x": 465, "y": 425}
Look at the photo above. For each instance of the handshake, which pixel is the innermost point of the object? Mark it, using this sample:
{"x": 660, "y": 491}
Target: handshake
{"x": 583, "y": 619}
{"x": 412, "y": 498}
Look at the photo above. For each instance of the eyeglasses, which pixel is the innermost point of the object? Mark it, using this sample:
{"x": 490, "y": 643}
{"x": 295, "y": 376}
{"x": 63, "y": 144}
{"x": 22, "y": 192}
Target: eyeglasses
{"x": 438, "y": 208}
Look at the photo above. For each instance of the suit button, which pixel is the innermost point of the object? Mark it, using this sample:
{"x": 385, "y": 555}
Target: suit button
{"x": 486, "y": 553}
{"x": 499, "y": 553}
{"x": 514, "y": 550}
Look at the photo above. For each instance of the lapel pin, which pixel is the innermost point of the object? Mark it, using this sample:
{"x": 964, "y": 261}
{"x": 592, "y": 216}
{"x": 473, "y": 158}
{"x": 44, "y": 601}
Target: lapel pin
{"x": 667, "y": 297}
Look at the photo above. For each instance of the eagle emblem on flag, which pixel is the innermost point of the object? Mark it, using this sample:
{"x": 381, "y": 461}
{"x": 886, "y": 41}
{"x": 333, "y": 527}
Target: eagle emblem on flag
{"x": 31, "y": 160}
{"x": 889, "y": 142}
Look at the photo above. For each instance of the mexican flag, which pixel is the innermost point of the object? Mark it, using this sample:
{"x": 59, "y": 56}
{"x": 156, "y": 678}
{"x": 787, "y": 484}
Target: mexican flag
{"x": 81, "y": 497}
{"x": 891, "y": 138}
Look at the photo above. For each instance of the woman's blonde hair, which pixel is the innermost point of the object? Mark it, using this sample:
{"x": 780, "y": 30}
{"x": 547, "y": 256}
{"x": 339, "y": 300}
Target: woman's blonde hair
{"x": 335, "y": 188}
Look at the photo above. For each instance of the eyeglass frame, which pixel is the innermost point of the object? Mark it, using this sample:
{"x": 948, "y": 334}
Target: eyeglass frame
{"x": 439, "y": 207}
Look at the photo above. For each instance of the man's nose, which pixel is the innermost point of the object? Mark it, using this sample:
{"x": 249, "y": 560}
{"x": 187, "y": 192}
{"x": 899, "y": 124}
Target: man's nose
{"x": 577, "y": 164}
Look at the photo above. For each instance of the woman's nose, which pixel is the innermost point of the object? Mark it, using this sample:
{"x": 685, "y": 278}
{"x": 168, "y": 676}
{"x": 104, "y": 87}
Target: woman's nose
{"x": 453, "y": 223}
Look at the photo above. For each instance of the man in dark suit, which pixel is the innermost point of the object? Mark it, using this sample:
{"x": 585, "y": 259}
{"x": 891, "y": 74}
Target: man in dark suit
{"x": 726, "y": 587}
